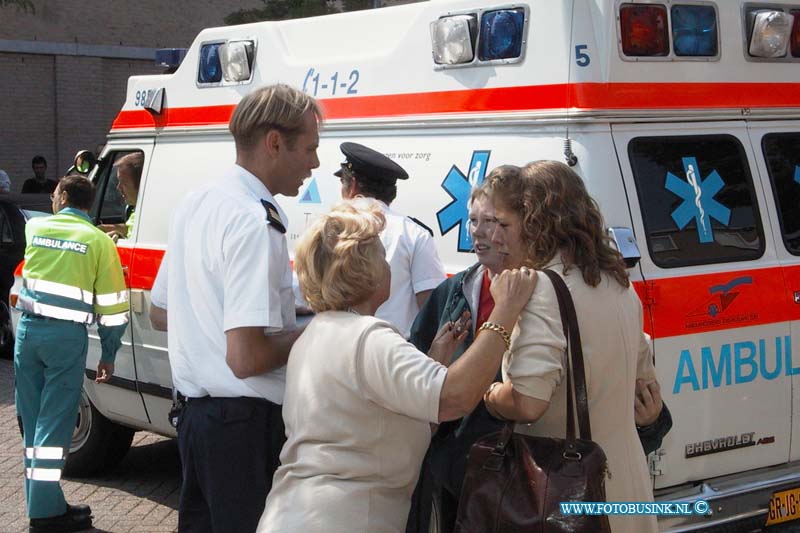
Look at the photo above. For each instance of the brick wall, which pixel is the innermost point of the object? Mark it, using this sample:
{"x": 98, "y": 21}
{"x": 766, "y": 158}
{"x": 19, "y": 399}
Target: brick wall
{"x": 27, "y": 99}
{"x": 55, "y": 105}
{"x": 151, "y": 23}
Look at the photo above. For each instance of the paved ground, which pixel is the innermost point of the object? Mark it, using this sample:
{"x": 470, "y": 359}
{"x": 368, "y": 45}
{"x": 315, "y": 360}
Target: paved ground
{"x": 140, "y": 495}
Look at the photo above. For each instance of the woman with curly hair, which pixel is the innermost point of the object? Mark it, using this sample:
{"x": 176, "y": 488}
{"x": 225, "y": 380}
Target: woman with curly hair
{"x": 547, "y": 219}
{"x": 359, "y": 398}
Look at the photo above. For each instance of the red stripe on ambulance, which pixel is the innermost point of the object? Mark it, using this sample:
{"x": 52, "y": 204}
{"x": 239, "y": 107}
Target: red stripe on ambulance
{"x": 677, "y": 306}
{"x": 505, "y": 99}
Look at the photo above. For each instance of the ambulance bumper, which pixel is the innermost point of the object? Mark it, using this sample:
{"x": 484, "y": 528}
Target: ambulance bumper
{"x": 737, "y": 500}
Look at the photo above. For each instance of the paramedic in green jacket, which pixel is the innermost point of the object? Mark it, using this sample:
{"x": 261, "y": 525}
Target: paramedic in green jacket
{"x": 71, "y": 278}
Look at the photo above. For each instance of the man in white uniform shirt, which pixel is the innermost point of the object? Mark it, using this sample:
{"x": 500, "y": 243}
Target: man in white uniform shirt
{"x": 231, "y": 312}
{"x": 410, "y": 252}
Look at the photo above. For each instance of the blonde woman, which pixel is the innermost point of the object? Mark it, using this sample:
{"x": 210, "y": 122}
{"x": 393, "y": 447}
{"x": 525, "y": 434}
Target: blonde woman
{"x": 359, "y": 398}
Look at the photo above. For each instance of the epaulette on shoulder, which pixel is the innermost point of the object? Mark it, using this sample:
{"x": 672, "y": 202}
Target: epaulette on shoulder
{"x": 273, "y": 218}
{"x": 422, "y": 225}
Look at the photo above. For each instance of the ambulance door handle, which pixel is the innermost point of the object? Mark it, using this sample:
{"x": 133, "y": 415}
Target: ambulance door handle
{"x": 797, "y": 297}
{"x": 137, "y": 301}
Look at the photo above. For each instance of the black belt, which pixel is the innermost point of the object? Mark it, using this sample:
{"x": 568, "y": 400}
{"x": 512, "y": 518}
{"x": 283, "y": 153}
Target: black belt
{"x": 182, "y": 398}
{"x": 189, "y": 399}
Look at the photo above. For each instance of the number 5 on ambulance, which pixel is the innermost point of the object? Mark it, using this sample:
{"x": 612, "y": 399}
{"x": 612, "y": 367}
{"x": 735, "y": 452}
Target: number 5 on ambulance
{"x": 682, "y": 118}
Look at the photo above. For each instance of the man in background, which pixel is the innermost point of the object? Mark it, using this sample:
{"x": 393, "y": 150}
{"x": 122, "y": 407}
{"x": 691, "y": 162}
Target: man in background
{"x": 39, "y": 184}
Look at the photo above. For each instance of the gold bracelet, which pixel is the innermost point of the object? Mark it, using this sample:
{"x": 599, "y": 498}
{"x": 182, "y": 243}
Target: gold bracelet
{"x": 500, "y": 330}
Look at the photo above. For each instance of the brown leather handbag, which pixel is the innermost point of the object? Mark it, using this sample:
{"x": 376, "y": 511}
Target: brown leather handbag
{"x": 515, "y": 483}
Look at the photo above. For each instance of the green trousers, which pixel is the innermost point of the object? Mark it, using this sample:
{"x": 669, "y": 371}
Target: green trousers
{"x": 49, "y": 361}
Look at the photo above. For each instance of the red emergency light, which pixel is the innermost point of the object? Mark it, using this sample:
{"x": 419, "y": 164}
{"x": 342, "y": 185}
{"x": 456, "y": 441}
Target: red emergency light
{"x": 644, "y": 29}
{"x": 794, "y": 38}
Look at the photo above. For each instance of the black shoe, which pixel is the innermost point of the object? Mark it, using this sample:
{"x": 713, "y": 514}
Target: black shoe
{"x": 79, "y": 510}
{"x": 72, "y": 520}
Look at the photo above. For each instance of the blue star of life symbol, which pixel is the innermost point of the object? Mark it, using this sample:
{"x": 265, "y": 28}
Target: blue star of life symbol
{"x": 698, "y": 199}
{"x": 459, "y": 187}
{"x": 797, "y": 173}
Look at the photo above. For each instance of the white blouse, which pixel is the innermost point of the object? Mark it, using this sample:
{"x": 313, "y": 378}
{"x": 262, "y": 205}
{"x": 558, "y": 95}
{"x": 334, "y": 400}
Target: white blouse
{"x": 359, "y": 401}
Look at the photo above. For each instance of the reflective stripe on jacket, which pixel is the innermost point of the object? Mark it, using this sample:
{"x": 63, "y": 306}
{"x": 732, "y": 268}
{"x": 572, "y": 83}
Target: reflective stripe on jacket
{"x": 72, "y": 272}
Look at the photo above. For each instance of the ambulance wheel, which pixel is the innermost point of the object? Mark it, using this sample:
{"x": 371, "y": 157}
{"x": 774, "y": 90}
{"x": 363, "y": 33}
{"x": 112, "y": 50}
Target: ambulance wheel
{"x": 98, "y": 444}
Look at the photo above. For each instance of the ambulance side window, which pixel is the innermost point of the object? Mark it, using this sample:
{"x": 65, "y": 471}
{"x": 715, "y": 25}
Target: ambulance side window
{"x": 110, "y": 206}
{"x": 697, "y": 199}
{"x": 782, "y": 154}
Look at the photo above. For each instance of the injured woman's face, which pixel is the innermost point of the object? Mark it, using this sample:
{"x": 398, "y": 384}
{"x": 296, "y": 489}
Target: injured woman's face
{"x": 481, "y": 228}
{"x": 507, "y": 237}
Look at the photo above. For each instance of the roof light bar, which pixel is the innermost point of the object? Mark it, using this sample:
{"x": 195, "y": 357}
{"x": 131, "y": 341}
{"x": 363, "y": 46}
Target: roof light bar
{"x": 694, "y": 30}
{"x": 453, "y": 39}
{"x": 210, "y": 69}
{"x": 770, "y": 31}
{"x": 794, "y": 40}
{"x": 170, "y": 58}
{"x": 501, "y": 34}
{"x": 236, "y": 58}
{"x": 643, "y": 30}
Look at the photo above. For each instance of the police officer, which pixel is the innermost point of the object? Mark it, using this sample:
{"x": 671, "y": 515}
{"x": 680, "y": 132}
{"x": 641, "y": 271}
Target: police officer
{"x": 410, "y": 251}
{"x": 227, "y": 280}
{"x": 72, "y": 277}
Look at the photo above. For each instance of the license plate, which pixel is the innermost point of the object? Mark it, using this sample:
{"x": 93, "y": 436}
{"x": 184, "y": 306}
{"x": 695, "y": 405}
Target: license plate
{"x": 784, "y": 506}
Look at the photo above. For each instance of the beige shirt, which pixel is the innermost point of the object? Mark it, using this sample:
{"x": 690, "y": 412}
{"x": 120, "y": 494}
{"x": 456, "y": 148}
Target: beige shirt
{"x": 358, "y": 403}
{"x": 615, "y": 352}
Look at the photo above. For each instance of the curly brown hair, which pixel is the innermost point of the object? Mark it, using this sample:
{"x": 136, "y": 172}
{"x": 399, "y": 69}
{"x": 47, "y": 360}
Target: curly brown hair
{"x": 558, "y": 217}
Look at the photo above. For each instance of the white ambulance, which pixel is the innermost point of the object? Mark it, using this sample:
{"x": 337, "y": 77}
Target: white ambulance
{"x": 683, "y": 117}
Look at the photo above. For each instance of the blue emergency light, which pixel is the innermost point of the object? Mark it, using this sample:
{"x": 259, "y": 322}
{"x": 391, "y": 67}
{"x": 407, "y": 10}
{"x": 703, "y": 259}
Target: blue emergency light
{"x": 694, "y": 30}
{"x": 210, "y": 67}
{"x": 170, "y": 58}
{"x": 501, "y": 34}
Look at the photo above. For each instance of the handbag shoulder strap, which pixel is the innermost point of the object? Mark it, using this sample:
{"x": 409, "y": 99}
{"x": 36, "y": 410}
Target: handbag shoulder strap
{"x": 575, "y": 369}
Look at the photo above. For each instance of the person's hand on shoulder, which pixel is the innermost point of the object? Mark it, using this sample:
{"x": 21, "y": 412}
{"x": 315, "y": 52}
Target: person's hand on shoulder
{"x": 511, "y": 291}
{"x": 449, "y": 338}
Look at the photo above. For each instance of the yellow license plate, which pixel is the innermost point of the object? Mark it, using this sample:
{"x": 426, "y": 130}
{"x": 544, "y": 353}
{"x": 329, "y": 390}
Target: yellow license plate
{"x": 784, "y": 506}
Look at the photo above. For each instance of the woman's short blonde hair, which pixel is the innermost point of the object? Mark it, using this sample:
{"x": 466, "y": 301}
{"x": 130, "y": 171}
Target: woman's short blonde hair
{"x": 338, "y": 258}
{"x": 279, "y": 107}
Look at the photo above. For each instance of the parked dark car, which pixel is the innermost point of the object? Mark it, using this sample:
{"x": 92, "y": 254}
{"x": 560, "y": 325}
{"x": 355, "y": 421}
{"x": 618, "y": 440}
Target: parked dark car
{"x": 15, "y": 210}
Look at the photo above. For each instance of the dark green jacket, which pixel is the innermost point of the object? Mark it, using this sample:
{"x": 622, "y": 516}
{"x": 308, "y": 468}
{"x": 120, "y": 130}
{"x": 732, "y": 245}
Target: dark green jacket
{"x": 453, "y": 440}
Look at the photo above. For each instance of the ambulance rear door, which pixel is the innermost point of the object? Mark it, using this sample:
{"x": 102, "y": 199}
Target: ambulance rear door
{"x": 713, "y": 286}
{"x": 777, "y": 148}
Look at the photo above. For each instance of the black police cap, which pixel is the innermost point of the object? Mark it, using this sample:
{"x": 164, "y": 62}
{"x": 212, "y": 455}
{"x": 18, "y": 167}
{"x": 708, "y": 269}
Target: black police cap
{"x": 368, "y": 164}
